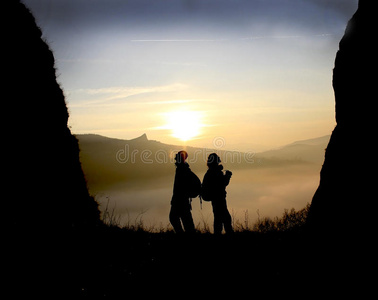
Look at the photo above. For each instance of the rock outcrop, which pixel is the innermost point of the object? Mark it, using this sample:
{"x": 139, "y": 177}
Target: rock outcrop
{"x": 44, "y": 187}
{"x": 342, "y": 204}
{"x": 47, "y": 211}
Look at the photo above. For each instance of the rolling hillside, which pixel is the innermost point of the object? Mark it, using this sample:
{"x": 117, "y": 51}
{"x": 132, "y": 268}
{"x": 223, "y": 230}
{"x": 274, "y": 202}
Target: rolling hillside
{"x": 107, "y": 160}
{"x": 311, "y": 150}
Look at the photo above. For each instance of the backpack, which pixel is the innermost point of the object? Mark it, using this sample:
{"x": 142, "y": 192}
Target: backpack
{"x": 194, "y": 185}
{"x": 205, "y": 193}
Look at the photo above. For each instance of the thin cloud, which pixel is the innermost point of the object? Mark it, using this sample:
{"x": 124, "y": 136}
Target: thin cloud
{"x": 287, "y": 36}
{"x": 132, "y": 90}
{"x": 178, "y": 40}
{"x": 225, "y": 40}
{"x": 181, "y": 101}
{"x": 104, "y": 96}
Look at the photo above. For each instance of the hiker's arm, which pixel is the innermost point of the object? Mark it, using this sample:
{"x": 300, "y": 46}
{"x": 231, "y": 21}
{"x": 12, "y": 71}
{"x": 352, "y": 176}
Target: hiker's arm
{"x": 226, "y": 179}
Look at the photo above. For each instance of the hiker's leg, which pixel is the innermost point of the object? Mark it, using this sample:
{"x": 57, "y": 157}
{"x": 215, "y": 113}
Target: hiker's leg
{"x": 218, "y": 226}
{"x": 174, "y": 218}
{"x": 227, "y": 221}
{"x": 187, "y": 220}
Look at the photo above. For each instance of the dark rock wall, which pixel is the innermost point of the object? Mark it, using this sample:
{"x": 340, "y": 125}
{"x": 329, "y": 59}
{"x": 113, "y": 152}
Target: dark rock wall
{"x": 45, "y": 189}
{"x": 344, "y": 199}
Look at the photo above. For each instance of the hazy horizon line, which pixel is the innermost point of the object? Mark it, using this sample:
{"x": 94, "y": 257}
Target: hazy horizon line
{"x": 217, "y": 142}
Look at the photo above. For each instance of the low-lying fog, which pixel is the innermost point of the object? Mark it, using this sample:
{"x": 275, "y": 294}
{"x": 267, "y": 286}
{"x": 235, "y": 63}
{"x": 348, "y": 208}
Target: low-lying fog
{"x": 264, "y": 192}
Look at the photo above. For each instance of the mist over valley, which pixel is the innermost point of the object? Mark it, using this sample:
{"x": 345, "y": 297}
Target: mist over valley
{"x": 133, "y": 179}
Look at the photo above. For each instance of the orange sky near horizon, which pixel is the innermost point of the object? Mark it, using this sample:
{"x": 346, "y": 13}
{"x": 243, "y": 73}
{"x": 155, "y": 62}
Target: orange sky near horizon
{"x": 256, "y": 73}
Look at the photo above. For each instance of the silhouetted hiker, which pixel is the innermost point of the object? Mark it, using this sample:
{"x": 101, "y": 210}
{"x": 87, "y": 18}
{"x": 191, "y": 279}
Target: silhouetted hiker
{"x": 180, "y": 204}
{"x": 214, "y": 190}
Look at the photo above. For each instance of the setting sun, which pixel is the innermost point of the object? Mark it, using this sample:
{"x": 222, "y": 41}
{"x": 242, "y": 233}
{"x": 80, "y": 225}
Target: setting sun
{"x": 184, "y": 125}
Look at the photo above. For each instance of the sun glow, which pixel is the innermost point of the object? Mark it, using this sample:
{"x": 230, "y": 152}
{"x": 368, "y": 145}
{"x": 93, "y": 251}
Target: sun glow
{"x": 185, "y": 125}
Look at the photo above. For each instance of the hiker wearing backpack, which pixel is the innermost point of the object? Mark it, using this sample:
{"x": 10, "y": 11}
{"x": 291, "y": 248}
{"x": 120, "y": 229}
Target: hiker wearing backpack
{"x": 186, "y": 186}
{"x": 214, "y": 190}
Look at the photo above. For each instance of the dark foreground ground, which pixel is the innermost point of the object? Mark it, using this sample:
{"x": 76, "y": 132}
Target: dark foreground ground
{"x": 281, "y": 258}
{"x": 140, "y": 262}
{"x": 120, "y": 263}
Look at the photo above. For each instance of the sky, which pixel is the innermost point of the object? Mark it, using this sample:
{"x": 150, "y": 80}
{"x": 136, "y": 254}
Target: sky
{"x": 257, "y": 73}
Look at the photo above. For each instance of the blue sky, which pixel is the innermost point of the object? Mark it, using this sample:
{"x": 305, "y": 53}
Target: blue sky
{"x": 255, "y": 72}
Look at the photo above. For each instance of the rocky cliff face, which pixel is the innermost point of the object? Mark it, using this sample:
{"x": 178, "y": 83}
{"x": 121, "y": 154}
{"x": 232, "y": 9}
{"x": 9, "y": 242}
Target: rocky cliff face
{"x": 45, "y": 189}
{"x": 343, "y": 200}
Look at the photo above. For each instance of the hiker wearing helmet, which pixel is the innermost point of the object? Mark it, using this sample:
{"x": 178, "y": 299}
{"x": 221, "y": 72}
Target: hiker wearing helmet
{"x": 214, "y": 190}
{"x": 180, "y": 204}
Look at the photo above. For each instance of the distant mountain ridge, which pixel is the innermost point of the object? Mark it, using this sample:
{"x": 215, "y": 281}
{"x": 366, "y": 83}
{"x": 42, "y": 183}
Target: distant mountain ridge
{"x": 108, "y": 160}
{"x": 310, "y": 150}
{"x": 315, "y": 141}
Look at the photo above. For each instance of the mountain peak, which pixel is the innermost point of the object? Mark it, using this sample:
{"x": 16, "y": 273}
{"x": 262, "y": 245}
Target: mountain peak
{"x": 142, "y": 138}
